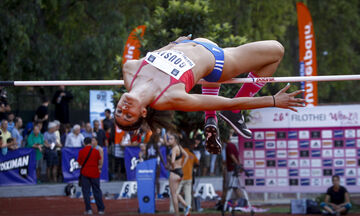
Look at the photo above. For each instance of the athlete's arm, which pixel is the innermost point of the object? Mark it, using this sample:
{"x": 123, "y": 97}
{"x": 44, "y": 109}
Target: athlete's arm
{"x": 197, "y": 102}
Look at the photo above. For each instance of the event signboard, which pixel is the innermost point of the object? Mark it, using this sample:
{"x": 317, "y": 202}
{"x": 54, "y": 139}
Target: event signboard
{"x": 301, "y": 151}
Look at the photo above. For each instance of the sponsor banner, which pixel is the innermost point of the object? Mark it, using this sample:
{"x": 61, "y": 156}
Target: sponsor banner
{"x": 131, "y": 158}
{"x": 99, "y": 101}
{"x": 18, "y": 167}
{"x": 71, "y": 168}
{"x": 304, "y": 159}
{"x": 309, "y": 117}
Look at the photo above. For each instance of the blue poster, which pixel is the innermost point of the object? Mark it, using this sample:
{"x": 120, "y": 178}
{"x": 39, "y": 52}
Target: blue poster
{"x": 71, "y": 168}
{"x": 131, "y": 158}
{"x": 145, "y": 177}
{"x": 18, "y": 167}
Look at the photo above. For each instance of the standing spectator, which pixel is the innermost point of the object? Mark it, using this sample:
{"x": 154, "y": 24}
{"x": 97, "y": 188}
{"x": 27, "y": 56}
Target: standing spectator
{"x": 107, "y": 122}
{"x": 90, "y": 176}
{"x": 36, "y": 140}
{"x": 61, "y": 100}
{"x": 88, "y": 130}
{"x": 187, "y": 180}
{"x": 175, "y": 165}
{"x": 51, "y": 155}
{"x": 337, "y": 199}
{"x": 94, "y": 144}
{"x": 108, "y": 125}
{"x": 3, "y": 145}
{"x": 42, "y": 114}
{"x": 15, "y": 133}
{"x": 233, "y": 166}
{"x": 74, "y": 139}
{"x": 5, "y": 134}
{"x": 65, "y": 130}
{"x": 57, "y": 131}
{"x": 11, "y": 123}
{"x": 117, "y": 153}
{"x": 100, "y": 134}
{"x": 4, "y": 106}
{"x": 142, "y": 152}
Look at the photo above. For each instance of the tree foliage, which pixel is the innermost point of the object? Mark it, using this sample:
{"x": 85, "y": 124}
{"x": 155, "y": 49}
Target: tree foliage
{"x": 69, "y": 39}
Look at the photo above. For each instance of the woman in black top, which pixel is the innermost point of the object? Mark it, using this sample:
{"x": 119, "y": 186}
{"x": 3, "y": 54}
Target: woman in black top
{"x": 175, "y": 164}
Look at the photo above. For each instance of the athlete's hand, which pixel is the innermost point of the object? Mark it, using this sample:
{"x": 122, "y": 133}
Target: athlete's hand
{"x": 183, "y": 38}
{"x": 288, "y": 100}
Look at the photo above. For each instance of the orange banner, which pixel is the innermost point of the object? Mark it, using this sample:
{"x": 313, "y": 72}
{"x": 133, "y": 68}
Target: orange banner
{"x": 132, "y": 46}
{"x": 307, "y": 53}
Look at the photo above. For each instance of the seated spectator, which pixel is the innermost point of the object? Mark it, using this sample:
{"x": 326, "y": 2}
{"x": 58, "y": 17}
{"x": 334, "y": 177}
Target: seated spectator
{"x": 15, "y": 133}
{"x": 337, "y": 199}
{"x": 11, "y": 144}
{"x": 88, "y": 131}
{"x": 5, "y": 133}
{"x": 74, "y": 139}
{"x": 100, "y": 134}
{"x": 11, "y": 123}
{"x": 36, "y": 140}
{"x": 51, "y": 155}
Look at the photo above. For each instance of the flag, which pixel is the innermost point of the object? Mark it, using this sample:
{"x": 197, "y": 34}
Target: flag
{"x": 131, "y": 50}
{"x": 307, "y": 53}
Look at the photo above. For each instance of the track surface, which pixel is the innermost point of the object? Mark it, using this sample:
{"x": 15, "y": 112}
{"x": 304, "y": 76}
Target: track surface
{"x": 43, "y": 206}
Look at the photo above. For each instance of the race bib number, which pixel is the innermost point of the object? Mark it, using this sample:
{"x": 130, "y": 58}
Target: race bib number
{"x": 171, "y": 62}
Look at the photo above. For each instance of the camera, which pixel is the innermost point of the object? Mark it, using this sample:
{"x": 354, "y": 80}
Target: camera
{"x": 3, "y": 96}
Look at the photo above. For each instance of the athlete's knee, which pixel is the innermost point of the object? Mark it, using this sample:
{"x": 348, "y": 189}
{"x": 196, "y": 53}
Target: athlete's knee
{"x": 277, "y": 49}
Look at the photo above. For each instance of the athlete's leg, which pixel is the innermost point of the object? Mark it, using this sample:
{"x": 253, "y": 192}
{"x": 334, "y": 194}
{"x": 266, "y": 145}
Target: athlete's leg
{"x": 262, "y": 58}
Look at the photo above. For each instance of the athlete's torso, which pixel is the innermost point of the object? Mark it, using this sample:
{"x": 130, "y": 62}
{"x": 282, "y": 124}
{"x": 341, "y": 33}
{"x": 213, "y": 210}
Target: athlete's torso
{"x": 204, "y": 64}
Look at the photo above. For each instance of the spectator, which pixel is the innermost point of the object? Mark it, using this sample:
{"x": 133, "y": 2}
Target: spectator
{"x": 65, "y": 129}
{"x": 94, "y": 144}
{"x": 74, "y": 139}
{"x": 337, "y": 199}
{"x": 15, "y": 133}
{"x": 100, "y": 134}
{"x": 51, "y": 155}
{"x": 142, "y": 152}
{"x": 88, "y": 130}
{"x": 90, "y": 176}
{"x": 175, "y": 165}
{"x": 5, "y": 133}
{"x": 3, "y": 145}
{"x": 42, "y": 114}
{"x": 206, "y": 156}
{"x": 233, "y": 167}
{"x": 11, "y": 123}
{"x": 36, "y": 140}
{"x": 121, "y": 138}
{"x": 61, "y": 100}
{"x": 107, "y": 122}
{"x": 187, "y": 180}
{"x": 57, "y": 131}
{"x": 11, "y": 144}
{"x": 4, "y": 106}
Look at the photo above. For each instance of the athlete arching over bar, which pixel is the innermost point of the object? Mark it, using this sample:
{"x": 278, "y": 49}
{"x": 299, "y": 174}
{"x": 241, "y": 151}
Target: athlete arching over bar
{"x": 162, "y": 79}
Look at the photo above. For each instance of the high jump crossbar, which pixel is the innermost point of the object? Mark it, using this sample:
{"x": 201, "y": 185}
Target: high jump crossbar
{"x": 232, "y": 81}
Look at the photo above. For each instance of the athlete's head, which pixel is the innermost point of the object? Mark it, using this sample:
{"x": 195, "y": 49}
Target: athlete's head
{"x": 129, "y": 113}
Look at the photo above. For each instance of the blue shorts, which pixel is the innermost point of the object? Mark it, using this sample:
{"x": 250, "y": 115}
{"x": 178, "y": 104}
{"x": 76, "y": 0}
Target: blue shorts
{"x": 218, "y": 53}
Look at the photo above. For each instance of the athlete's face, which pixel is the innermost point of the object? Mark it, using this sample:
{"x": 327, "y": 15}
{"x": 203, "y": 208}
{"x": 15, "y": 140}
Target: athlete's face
{"x": 129, "y": 110}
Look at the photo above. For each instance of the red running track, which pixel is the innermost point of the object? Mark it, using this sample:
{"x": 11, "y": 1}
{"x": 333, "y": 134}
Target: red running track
{"x": 44, "y": 206}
